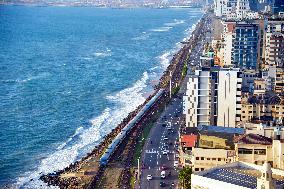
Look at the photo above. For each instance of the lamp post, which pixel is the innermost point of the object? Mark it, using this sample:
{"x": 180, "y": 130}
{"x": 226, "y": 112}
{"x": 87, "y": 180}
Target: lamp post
{"x": 170, "y": 84}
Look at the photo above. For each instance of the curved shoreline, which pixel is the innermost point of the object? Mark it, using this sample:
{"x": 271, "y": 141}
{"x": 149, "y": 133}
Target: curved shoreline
{"x": 175, "y": 64}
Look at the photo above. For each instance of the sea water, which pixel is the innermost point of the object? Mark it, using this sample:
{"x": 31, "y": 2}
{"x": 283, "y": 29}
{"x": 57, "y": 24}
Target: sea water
{"x": 69, "y": 75}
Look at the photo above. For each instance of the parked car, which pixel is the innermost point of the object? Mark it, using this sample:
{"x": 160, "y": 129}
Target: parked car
{"x": 149, "y": 177}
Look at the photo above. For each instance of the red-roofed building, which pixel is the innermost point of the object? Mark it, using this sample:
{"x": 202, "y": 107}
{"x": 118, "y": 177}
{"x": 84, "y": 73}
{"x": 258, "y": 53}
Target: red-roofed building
{"x": 188, "y": 141}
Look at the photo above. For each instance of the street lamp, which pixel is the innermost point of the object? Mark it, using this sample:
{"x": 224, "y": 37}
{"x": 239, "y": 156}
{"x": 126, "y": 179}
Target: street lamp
{"x": 170, "y": 84}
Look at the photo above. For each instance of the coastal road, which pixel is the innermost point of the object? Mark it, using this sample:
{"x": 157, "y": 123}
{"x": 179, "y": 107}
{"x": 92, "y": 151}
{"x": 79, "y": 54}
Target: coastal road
{"x": 161, "y": 138}
{"x": 153, "y": 159}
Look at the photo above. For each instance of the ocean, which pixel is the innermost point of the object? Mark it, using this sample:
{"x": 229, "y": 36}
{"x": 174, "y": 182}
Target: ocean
{"x": 69, "y": 75}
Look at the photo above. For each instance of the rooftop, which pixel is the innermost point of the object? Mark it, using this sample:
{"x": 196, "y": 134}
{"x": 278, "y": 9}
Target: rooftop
{"x": 221, "y": 129}
{"x": 188, "y": 140}
{"x": 241, "y": 174}
{"x": 253, "y": 139}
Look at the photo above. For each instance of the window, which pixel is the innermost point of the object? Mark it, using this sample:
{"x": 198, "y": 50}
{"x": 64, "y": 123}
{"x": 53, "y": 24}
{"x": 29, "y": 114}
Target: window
{"x": 214, "y": 159}
{"x": 208, "y": 159}
{"x": 196, "y": 169}
{"x": 197, "y": 158}
{"x": 219, "y": 159}
{"x": 202, "y": 158}
{"x": 244, "y": 151}
{"x": 260, "y": 151}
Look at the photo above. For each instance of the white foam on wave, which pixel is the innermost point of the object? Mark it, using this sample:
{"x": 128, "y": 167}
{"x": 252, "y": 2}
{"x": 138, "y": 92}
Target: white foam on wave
{"x": 30, "y": 78}
{"x": 102, "y": 54}
{"x": 143, "y": 36}
{"x": 175, "y": 23}
{"x": 87, "y": 138}
{"x": 162, "y": 29}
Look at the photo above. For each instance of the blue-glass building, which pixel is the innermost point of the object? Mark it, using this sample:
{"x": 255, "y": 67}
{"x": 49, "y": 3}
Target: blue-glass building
{"x": 245, "y": 45}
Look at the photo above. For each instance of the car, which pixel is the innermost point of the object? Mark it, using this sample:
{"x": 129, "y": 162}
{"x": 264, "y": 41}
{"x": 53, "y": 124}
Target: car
{"x": 177, "y": 155}
{"x": 162, "y": 184}
{"x": 149, "y": 177}
{"x": 164, "y": 167}
{"x": 175, "y": 163}
{"x": 165, "y": 152}
{"x": 163, "y": 174}
{"x": 166, "y": 138}
{"x": 164, "y": 125}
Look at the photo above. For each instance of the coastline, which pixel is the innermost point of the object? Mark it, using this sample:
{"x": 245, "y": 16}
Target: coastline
{"x": 56, "y": 178}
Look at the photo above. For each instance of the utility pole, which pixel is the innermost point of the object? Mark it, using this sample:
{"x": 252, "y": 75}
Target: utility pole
{"x": 170, "y": 84}
{"x": 138, "y": 175}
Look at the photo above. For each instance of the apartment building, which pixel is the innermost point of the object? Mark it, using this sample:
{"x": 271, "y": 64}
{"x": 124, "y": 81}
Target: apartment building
{"x": 246, "y": 45}
{"x": 204, "y": 105}
{"x": 264, "y": 107}
{"x": 274, "y": 42}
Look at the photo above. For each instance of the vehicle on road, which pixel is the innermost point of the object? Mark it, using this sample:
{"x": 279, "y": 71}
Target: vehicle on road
{"x": 163, "y": 174}
{"x": 162, "y": 184}
{"x": 149, "y": 177}
{"x": 165, "y": 152}
{"x": 177, "y": 155}
{"x": 164, "y": 167}
{"x": 166, "y": 138}
{"x": 175, "y": 163}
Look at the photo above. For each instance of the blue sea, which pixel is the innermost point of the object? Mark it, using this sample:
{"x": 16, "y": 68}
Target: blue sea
{"x": 69, "y": 75}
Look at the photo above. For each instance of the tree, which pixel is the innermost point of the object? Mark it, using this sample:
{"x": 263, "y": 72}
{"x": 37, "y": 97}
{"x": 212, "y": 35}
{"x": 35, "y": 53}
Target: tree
{"x": 185, "y": 177}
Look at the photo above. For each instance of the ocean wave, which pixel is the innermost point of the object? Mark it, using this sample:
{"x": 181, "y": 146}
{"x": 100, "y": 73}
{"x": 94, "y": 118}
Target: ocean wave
{"x": 102, "y": 54}
{"x": 144, "y": 36}
{"x": 29, "y": 78}
{"x": 162, "y": 29}
{"x": 176, "y": 22}
{"x": 85, "y": 139}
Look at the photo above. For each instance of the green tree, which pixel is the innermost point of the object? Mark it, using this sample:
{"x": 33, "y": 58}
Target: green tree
{"x": 185, "y": 177}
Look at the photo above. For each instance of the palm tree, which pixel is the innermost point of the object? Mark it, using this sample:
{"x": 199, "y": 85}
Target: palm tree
{"x": 185, "y": 177}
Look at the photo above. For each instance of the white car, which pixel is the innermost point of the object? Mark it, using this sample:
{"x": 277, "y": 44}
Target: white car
{"x": 177, "y": 155}
{"x": 175, "y": 163}
{"x": 166, "y": 138}
{"x": 149, "y": 177}
{"x": 165, "y": 152}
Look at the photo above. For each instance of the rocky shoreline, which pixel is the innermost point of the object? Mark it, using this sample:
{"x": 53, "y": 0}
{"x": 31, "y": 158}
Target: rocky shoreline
{"x": 176, "y": 66}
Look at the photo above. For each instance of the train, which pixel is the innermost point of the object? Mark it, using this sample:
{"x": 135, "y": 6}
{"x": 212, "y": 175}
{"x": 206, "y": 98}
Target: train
{"x": 120, "y": 137}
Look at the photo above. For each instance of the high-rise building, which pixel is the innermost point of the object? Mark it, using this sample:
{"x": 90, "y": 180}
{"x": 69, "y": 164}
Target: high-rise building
{"x": 213, "y": 97}
{"x": 246, "y": 45}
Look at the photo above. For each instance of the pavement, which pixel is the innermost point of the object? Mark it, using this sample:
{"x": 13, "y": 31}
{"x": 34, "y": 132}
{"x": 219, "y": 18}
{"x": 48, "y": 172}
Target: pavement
{"x": 153, "y": 161}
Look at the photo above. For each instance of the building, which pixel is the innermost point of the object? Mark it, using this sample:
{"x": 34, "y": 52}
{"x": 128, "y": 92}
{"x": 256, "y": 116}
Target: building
{"x": 253, "y": 148}
{"x": 266, "y": 107}
{"x": 242, "y": 8}
{"x": 257, "y": 149}
{"x": 204, "y": 105}
{"x": 204, "y": 147}
{"x": 274, "y": 42}
{"x": 239, "y": 175}
{"x": 246, "y": 45}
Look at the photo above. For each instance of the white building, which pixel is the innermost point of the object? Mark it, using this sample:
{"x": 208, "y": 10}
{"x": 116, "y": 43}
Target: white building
{"x": 242, "y": 8}
{"x": 229, "y": 98}
{"x": 213, "y": 97}
{"x": 239, "y": 175}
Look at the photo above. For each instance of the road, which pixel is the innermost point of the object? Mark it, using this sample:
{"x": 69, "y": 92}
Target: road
{"x": 152, "y": 158}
